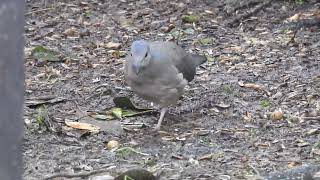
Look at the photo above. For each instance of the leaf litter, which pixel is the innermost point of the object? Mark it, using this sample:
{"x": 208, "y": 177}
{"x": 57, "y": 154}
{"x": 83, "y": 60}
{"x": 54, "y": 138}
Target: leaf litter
{"x": 75, "y": 57}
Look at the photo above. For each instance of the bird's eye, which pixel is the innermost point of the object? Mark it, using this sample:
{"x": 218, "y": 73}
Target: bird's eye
{"x": 146, "y": 55}
{"x": 130, "y": 54}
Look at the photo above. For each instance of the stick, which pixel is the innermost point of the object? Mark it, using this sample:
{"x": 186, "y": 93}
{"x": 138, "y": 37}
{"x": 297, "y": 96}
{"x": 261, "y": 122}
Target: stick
{"x": 311, "y": 118}
{"x": 81, "y": 174}
{"x": 36, "y": 11}
{"x": 248, "y": 14}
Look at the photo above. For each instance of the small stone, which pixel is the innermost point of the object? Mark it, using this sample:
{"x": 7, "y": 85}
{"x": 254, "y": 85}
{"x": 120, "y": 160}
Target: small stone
{"x": 113, "y": 45}
{"x": 276, "y": 115}
{"x": 113, "y": 144}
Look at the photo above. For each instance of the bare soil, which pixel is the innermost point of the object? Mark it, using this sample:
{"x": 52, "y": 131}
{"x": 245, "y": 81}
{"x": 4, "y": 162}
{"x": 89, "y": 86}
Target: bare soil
{"x": 223, "y": 126}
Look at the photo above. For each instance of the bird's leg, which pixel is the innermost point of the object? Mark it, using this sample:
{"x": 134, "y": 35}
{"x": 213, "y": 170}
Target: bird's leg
{"x": 163, "y": 112}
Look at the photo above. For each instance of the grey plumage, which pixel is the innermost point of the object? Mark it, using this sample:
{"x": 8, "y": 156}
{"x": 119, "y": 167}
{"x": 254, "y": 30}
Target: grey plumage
{"x": 159, "y": 71}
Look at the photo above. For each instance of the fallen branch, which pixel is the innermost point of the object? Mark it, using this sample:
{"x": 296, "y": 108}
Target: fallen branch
{"x": 39, "y": 10}
{"x": 248, "y": 14}
{"x": 311, "y": 118}
{"x": 81, "y": 174}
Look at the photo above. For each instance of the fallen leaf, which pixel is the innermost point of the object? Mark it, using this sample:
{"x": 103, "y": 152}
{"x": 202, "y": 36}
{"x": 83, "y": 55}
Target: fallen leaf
{"x": 293, "y": 164}
{"x": 125, "y": 151}
{"x": 113, "y": 144}
{"x": 312, "y": 132}
{"x": 101, "y": 116}
{"x": 175, "y": 156}
{"x": 82, "y": 126}
{"x": 124, "y": 108}
{"x": 206, "y": 157}
{"x": 117, "y": 112}
{"x": 168, "y": 138}
{"x": 117, "y": 54}
{"x": 190, "y": 18}
{"x": 251, "y": 85}
{"x": 113, "y": 45}
{"x": 71, "y": 32}
{"x": 189, "y": 31}
{"x": 315, "y": 151}
{"x": 276, "y": 115}
{"x": 294, "y": 17}
{"x": 302, "y": 143}
{"x": 136, "y": 174}
{"x": 43, "y": 54}
{"x": 37, "y": 101}
{"x": 206, "y": 41}
{"x": 209, "y": 12}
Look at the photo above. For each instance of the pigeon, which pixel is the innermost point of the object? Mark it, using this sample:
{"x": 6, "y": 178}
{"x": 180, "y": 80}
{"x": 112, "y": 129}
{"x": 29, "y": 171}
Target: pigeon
{"x": 159, "y": 71}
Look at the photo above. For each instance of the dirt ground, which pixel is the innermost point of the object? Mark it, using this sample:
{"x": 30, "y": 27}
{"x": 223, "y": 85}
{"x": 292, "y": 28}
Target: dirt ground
{"x": 227, "y": 125}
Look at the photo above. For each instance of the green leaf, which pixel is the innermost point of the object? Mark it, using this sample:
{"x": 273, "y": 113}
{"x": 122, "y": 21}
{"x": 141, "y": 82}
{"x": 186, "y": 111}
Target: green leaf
{"x": 124, "y": 103}
{"x": 125, "y": 151}
{"x": 43, "y": 54}
{"x": 227, "y": 89}
{"x": 88, "y": 13}
{"x": 117, "y": 112}
{"x": 206, "y": 41}
{"x": 41, "y": 115}
{"x": 265, "y": 103}
{"x": 189, "y": 31}
{"x": 124, "y": 108}
{"x": 102, "y": 116}
{"x": 190, "y": 18}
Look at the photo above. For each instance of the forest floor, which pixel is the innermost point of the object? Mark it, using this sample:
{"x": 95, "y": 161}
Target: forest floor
{"x": 254, "y": 107}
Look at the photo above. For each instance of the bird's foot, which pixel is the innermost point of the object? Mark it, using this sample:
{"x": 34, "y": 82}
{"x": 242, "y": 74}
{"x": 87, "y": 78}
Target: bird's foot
{"x": 156, "y": 128}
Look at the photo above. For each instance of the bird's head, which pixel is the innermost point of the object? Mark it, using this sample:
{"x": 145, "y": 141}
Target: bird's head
{"x": 140, "y": 55}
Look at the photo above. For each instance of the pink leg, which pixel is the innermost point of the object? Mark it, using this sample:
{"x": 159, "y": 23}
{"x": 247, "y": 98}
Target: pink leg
{"x": 163, "y": 112}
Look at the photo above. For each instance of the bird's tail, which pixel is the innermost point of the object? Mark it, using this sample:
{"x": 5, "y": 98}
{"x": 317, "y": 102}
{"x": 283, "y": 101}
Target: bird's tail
{"x": 198, "y": 59}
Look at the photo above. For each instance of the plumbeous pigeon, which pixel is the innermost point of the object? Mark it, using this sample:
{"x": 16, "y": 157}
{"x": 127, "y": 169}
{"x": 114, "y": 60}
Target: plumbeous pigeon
{"x": 159, "y": 71}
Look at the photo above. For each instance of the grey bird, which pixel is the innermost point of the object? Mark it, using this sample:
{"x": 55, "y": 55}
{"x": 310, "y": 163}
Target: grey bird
{"x": 159, "y": 71}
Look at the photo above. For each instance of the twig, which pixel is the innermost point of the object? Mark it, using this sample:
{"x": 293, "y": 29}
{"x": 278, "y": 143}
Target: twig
{"x": 36, "y": 11}
{"x": 82, "y": 113}
{"x": 254, "y": 169}
{"x": 81, "y": 174}
{"x": 248, "y": 14}
{"x": 108, "y": 85}
{"x": 245, "y": 5}
{"x": 292, "y": 39}
{"x": 311, "y": 118}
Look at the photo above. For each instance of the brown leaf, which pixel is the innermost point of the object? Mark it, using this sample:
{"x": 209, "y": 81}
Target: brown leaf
{"x": 276, "y": 115}
{"x": 71, "y": 32}
{"x": 113, "y": 45}
{"x": 83, "y": 126}
{"x": 293, "y": 164}
{"x": 175, "y": 156}
{"x": 315, "y": 151}
{"x": 168, "y": 138}
{"x": 206, "y": 157}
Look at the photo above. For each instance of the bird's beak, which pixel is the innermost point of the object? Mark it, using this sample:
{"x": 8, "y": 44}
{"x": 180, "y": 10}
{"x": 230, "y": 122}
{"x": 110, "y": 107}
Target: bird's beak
{"x": 136, "y": 68}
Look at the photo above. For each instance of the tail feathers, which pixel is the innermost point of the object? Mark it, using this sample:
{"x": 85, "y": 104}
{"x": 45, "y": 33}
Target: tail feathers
{"x": 198, "y": 59}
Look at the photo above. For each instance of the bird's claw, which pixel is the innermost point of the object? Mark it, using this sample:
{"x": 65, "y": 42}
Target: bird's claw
{"x": 156, "y": 128}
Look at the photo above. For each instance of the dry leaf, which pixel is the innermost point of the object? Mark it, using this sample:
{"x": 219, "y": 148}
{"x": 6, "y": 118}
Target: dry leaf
{"x": 312, "y": 132}
{"x": 256, "y": 87}
{"x": 71, "y": 32}
{"x": 293, "y": 164}
{"x": 83, "y": 126}
{"x": 294, "y": 17}
{"x": 315, "y": 151}
{"x": 276, "y": 115}
{"x": 206, "y": 157}
{"x": 113, "y": 45}
{"x": 113, "y": 144}
{"x": 177, "y": 157}
{"x": 167, "y": 138}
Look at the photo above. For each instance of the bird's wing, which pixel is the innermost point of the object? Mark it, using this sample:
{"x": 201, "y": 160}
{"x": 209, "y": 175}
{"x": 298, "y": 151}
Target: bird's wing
{"x": 185, "y": 63}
